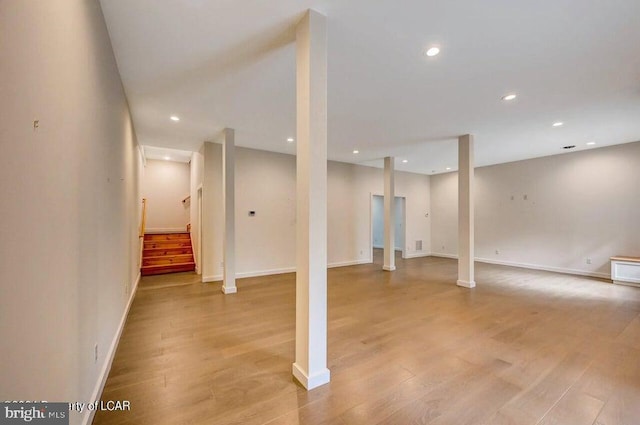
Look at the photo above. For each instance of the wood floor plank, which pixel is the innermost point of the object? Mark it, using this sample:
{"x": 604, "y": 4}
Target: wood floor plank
{"x": 408, "y": 347}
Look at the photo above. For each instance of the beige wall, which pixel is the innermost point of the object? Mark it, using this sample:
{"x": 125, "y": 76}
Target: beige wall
{"x": 579, "y": 206}
{"x": 265, "y": 183}
{"x": 165, "y": 185}
{"x": 70, "y": 200}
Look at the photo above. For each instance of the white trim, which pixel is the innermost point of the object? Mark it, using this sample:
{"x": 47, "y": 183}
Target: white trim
{"x": 418, "y": 254}
{"x": 531, "y": 266}
{"x": 349, "y": 263}
{"x": 466, "y": 284}
{"x": 311, "y": 382}
{"x": 229, "y": 290}
{"x": 214, "y": 278}
{"x": 266, "y": 272}
{"x": 443, "y": 255}
{"x": 544, "y": 268}
{"x": 626, "y": 283}
{"x": 88, "y": 415}
{"x": 388, "y": 268}
{"x": 167, "y": 230}
{"x": 269, "y": 272}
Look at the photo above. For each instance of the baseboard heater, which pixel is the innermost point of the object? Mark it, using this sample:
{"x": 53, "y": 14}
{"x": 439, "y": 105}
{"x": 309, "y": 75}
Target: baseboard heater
{"x": 625, "y": 270}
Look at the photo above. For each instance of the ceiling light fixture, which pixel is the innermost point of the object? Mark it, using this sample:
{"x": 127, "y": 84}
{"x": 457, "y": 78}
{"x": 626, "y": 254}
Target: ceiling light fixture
{"x": 290, "y": 140}
{"x": 356, "y": 151}
{"x": 174, "y": 118}
{"x": 404, "y": 161}
{"x": 591, "y": 143}
{"x": 509, "y": 96}
{"x": 558, "y": 124}
{"x": 167, "y": 158}
{"x": 433, "y": 51}
{"x": 448, "y": 168}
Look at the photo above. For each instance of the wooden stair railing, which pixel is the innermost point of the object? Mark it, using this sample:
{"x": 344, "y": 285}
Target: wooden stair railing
{"x": 143, "y": 220}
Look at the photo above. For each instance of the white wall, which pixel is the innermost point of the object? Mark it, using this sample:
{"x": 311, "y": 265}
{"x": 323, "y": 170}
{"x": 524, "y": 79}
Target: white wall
{"x": 70, "y": 200}
{"x": 265, "y": 183}
{"x": 165, "y": 185}
{"x": 579, "y": 206}
{"x": 212, "y": 221}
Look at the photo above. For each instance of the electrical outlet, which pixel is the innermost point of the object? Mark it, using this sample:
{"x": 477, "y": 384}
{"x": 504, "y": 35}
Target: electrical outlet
{"x": 497, "y": 252}
{"x": 443, "y": 247}
{"x": 588, "y": 260}
{"x": 95, "y": 353}
{"x": 360, "y": 252}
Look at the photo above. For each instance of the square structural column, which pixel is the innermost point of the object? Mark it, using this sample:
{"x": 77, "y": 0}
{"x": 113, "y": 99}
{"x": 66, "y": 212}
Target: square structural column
{"x": 310, "y": 367}
{"x": 389, "y": 215}
{"x": 229, "y": 206}
{"x": 466, "y": 252}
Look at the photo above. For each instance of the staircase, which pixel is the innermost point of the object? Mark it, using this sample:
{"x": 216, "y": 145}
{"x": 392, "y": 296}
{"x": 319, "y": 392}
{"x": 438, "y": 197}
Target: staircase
{"x": 167, "y": 253}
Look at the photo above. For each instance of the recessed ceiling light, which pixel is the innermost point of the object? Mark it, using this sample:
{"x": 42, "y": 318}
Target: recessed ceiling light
{"x": 509, "y": 96}
{"x": 569, "y": 147}
{"x": 433, "y": 51}
{"x": 356, "y": 151}
{"x": 167, "y": 158}
{"x": 558, "y": 124}
{"x": 290, "y": 140}
{"x": 174, "y": 118}
{"x": 405, "y": 161}
{"x": 591, "y": 143}
{"x": 448, "y": 168}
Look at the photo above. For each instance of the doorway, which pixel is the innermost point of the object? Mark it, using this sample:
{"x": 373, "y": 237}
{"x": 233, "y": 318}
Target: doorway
{"x": 377, "y": 223}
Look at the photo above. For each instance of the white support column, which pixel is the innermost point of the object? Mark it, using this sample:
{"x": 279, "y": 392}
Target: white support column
{"x": 465, "y": 212}
{"x": 310, "y": 367}
{"x": 229, "y": 203}
{"x": 389, "y": 215}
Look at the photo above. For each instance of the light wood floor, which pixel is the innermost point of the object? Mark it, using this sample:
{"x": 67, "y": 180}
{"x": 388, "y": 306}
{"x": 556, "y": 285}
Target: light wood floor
{"x": 408, "y": 347}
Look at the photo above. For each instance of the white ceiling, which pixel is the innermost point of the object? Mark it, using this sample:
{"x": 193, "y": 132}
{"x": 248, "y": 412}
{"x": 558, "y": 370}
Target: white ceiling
{"x": 231, "y": 63}
{"x": 166, "y": 154}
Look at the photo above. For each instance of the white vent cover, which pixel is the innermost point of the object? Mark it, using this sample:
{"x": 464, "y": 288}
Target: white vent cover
{"x": 418, "y": 245}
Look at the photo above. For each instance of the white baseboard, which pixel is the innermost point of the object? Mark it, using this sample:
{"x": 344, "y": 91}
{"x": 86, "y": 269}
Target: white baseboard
{"x": 310, "y": 382}
{"x": 466, "y": 283}
{"x": 417, "y": 255}
{"x": 349, "y": 263}
{"x": 87, "y": 416}
{"x": 531, "y": 266}
{"x": 214, "y": 278}
{"x": 218, "y": 277}
{"x": 266, "y": 272}
{"x": 166, "y": 230}
{"x": 544, "y": 268}
{"x": 626, "y": 283}
{"x": 443, "y": 255}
